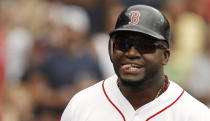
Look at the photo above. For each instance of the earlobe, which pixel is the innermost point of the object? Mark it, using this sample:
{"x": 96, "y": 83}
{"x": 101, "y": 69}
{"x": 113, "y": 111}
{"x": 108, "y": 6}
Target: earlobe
{"x": 166, "y": 56}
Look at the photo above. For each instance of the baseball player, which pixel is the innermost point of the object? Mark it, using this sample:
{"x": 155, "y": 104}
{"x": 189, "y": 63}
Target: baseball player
{"x": 140, "y": 91}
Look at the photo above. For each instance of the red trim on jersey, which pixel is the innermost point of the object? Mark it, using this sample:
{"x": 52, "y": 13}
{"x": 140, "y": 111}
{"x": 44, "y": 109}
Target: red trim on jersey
{"x": 112, "y": 102}
{"x": 150, "y": 116}
{"x": 166, "y": 107}
{"x": 118, "y": 80}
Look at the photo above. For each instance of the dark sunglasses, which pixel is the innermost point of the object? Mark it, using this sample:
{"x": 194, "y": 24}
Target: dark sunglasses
{"x": 142, "y": 45}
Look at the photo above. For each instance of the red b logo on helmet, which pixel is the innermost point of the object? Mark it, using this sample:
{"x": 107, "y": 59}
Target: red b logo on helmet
{"x": 134, "y": 17}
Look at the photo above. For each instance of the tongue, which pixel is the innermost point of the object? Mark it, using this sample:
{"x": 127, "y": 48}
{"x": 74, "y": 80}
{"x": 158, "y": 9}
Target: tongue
{"x": 125, "y": 67}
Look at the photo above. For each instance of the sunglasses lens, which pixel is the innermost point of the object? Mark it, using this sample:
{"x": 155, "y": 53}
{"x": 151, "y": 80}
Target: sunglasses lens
{"x": 143, "y": 46}
{"x": 122, "y": 44}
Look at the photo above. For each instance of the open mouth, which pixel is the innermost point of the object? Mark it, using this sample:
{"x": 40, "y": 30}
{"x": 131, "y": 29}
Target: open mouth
{"x": 130, "y": 67}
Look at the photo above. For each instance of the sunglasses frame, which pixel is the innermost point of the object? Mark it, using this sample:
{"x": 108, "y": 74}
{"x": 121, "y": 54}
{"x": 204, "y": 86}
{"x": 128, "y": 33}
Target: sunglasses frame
{"x": 133, "y": 42}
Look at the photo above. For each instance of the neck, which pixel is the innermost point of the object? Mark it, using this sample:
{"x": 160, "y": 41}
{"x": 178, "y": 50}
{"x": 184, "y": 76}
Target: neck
{"x": 145, "y": 93}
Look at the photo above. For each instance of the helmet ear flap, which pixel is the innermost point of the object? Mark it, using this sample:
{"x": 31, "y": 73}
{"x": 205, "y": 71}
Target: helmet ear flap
{"x": 111, "y": 48}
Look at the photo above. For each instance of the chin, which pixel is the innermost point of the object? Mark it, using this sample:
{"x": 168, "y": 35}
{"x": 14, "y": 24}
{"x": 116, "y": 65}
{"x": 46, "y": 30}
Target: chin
{"x": 132, "y": 80}
{"x": 132, "y": 83}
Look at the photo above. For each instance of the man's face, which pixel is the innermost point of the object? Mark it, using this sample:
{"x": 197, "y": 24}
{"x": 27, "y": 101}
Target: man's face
{"x": 137, "y": 61}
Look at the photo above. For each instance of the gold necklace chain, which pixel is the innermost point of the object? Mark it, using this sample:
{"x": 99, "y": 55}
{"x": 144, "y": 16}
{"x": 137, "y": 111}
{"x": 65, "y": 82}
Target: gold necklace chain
{"x": 159, "y": 92}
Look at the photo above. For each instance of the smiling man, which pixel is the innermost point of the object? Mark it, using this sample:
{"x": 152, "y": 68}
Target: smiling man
{"x": 140, "y": 91}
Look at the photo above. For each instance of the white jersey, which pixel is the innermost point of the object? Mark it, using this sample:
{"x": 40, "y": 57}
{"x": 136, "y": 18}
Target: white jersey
{"x": 104, "y": 102}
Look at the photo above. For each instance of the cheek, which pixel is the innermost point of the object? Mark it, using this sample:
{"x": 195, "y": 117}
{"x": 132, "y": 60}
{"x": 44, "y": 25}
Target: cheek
{"x": 117, "y": 56}
{"x": 155, "y": 59}
{"x": 153, "y": 66}
{"x": 116, "y": 59}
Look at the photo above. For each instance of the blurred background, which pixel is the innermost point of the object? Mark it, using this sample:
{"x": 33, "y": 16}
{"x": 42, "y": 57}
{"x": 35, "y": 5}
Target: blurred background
{"x": 51, "y": 49}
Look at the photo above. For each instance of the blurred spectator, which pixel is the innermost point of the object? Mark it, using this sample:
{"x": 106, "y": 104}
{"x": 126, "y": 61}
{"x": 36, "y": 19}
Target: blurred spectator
{"x": 189, "y": 37}
{"x": 69, "y": 65}
{"x": 100, "y": 40}
{"x": 96, "y": 12}
{"x": 22, "y": 21}
{"x": 198, "y": 81}
{"x": 154, "y": 3}
{"x": 2, "y": 59}
{"x": 174, "y": 9}
{"x": 208, "y": 9}
{"x": 18, "y": 43}
{"x": 200, "y": 7}
{"x": 18, "y": 104}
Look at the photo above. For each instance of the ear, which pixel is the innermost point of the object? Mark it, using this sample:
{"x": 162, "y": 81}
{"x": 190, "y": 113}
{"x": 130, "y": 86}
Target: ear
{"x": 166, "y": 55}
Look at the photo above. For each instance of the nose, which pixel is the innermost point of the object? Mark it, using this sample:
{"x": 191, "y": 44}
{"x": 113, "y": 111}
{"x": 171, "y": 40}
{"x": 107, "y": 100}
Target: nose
{"x": 132, "y": 52}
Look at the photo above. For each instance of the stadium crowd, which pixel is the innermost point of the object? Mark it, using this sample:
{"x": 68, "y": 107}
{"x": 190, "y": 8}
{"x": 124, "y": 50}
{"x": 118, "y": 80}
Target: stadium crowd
{"x": 51, "y": 49}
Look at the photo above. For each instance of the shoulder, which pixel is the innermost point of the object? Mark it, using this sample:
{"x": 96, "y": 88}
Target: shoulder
{"x": 190, "y": 106}
{"x": 80, "y": 101}
{"x": 92, "y": 92}
{"x": 84, "y": 101}
{"x": 186, "y": 97}
{"x": 196, "y": 110}
{"x": 88, "y": 93}
{"x": 195, "y": 106}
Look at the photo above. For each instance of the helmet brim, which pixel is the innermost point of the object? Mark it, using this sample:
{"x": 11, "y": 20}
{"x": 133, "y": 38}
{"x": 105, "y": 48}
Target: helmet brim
{"x": 137, "y": 29}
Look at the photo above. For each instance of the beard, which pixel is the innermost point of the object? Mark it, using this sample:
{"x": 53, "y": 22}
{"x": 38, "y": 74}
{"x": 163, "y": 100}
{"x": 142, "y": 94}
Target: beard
{"x": 149, "y": 76}
{"x": 132, "y": 84}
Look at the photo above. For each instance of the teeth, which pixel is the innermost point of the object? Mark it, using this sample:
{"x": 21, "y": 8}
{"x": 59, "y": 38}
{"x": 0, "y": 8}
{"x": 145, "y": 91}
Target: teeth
{"x": 133, "y": 68}
{"x": 133, "y": 65}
